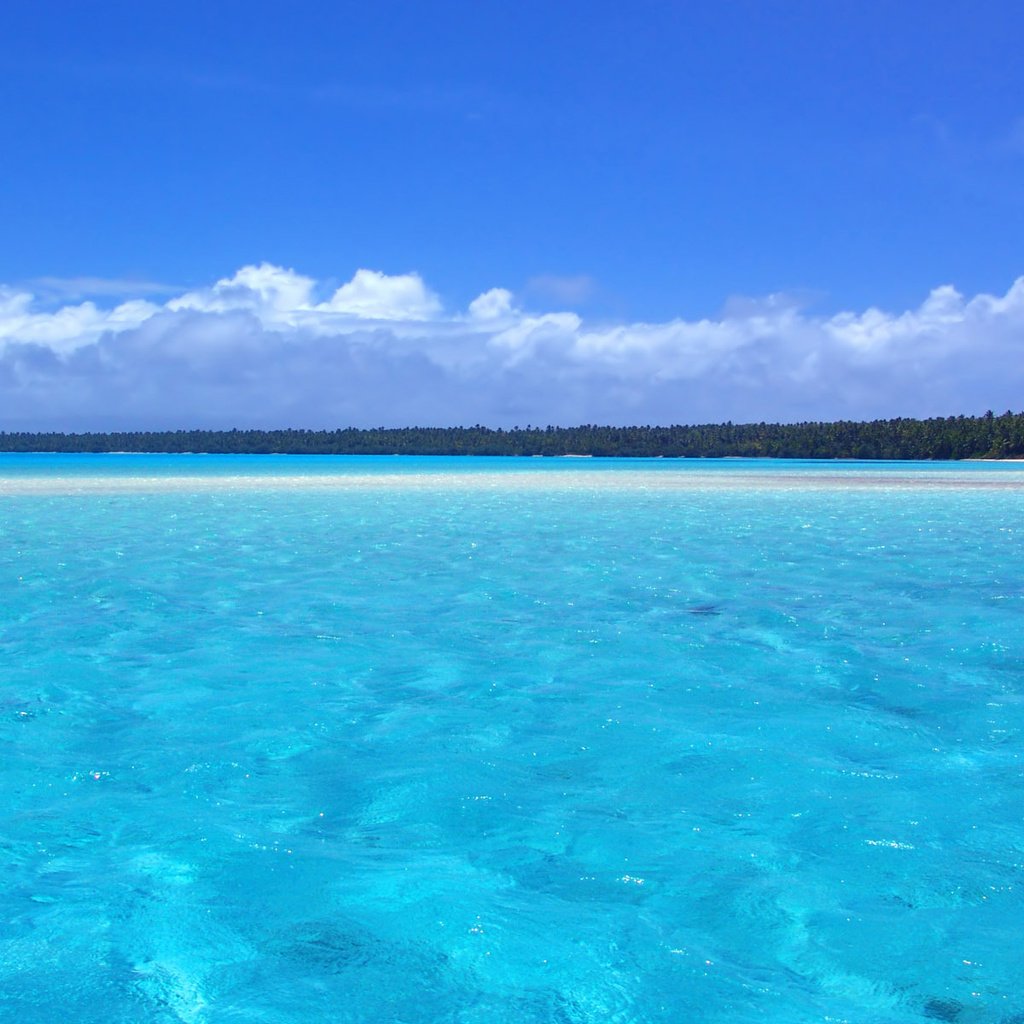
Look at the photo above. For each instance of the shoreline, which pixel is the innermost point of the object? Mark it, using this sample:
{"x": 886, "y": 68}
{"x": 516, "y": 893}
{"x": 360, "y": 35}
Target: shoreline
{"x": 511, "y": 456}
{"x": 579, "y": 481}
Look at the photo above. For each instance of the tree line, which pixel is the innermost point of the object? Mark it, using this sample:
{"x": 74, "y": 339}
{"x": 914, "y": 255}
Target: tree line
{"x": 955, "y": 437}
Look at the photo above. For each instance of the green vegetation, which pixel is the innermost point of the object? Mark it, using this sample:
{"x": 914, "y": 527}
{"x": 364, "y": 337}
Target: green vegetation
{"x": 959, "y": 437}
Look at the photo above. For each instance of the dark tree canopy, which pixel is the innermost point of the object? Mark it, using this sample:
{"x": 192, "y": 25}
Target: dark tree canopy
{"x": 955, "y": 437}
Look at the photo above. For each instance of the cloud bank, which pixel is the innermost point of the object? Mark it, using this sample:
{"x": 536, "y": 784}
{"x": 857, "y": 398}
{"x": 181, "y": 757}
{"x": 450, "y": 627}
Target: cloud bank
{"x": 268, "y": 347}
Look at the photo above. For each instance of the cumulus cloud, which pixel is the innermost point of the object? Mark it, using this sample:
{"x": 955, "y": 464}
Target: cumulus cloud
{"x": 491, "y": 304}
{"x": 377, "y": 296}
{"x": 268, "y": 290}
{"x": 267, "y": 346}
{"x": 67, "y": 327}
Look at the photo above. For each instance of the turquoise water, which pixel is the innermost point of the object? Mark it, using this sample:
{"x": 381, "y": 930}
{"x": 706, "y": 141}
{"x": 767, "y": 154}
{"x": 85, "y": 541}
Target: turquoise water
{"x": 411, "y": 740}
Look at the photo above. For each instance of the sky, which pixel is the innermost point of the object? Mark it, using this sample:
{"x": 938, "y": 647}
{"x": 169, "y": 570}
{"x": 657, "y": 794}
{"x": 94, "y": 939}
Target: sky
{"x": 338, "y": 214}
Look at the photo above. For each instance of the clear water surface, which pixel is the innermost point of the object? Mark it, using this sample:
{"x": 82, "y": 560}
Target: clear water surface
{"x": 295, "y": 740}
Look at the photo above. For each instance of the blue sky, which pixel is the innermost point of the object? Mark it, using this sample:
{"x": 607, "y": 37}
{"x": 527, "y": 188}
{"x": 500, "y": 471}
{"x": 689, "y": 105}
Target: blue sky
{"x": 632, "y": 166}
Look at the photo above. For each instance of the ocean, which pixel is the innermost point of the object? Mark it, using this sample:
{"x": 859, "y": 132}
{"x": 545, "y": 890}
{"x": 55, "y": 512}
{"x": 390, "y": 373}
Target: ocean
{"x": 322, "y": 739}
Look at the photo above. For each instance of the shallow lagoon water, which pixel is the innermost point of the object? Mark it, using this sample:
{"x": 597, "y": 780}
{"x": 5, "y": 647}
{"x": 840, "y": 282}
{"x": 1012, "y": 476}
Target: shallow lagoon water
{"x": 411, "y": 740}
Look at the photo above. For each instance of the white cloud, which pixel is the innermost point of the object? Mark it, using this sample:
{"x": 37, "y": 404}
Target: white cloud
{"x": 67, "y": 327}
{"x": 260, "y": 348}
{"x": 496, "y": 302}
{"x": 377, "y": 296}
{"x": 267, "y": 290}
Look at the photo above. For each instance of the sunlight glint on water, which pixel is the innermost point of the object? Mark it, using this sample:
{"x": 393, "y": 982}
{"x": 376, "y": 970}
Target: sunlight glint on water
{"x": 611, "y": 748}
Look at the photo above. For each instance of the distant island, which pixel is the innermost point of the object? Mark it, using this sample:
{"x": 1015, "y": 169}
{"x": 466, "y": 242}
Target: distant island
{"x": 955, "y": 437}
